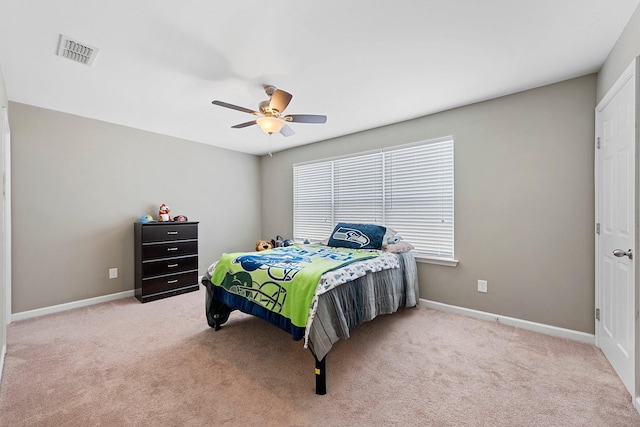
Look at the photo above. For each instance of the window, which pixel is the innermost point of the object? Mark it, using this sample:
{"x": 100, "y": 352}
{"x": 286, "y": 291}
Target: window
{"x": 408, "y": 188}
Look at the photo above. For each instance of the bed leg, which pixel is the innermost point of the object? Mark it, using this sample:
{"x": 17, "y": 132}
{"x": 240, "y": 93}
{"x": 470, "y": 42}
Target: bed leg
{"x": 321, "y": 376}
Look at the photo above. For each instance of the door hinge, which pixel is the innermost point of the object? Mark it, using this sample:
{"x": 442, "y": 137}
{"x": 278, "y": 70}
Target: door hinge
{"x": 598, "y": 142}
{"x": 597, "y": 314}
{"x": 598, "y": 228}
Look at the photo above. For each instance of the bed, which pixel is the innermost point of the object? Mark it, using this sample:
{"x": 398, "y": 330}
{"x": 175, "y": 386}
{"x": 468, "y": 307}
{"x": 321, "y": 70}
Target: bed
{"x": 316, "y": 293}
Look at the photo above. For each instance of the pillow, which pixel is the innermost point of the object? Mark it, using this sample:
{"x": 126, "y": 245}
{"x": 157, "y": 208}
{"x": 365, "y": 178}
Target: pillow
{"x": 357, "y": 236}
{"x": 398, "y": 248}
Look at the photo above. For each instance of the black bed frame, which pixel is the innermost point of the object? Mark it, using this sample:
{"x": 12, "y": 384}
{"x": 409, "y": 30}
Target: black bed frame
{"x": 320, "y": 369}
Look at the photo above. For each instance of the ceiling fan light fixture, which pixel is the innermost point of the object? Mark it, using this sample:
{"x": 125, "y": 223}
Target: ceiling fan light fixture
{"x": 270, "y": 124}
{"x": 269, "y": 113}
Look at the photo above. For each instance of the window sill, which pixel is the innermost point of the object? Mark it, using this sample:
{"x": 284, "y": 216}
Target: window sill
{"x": 448, "y": 262}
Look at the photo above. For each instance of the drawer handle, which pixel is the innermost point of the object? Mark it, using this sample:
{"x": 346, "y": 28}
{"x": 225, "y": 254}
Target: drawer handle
{"x": 170, "y": 282}
{"x": 172, "y": 232}
{"x": 172, "y": 265}
{"x": 172, "y": 249}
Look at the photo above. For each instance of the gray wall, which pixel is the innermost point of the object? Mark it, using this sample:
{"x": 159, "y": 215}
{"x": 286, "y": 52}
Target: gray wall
{"x": 624, "y": 51}
{"x": 80, "y": 184}
{"x": 524, "y": 201}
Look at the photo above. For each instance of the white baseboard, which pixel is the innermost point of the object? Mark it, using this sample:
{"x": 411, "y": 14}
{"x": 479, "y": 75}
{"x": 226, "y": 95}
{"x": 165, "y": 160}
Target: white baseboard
{"x": 2, "y": 353}
{"x": 636, "y": 404}
{"x": 70, "y": 305}
{"x": 511, "y": 321}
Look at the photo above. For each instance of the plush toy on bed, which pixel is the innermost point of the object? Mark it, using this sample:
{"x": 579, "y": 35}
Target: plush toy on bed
{"x": 263, "y": 245}
{"x": 163, "y": 213}
{"x": 394, "y": 239}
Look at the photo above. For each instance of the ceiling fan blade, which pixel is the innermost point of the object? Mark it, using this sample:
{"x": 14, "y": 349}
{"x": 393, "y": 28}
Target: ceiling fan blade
{"x": 235, "y": 107}
{"x": 306, "y": 118}
{"x": 279, "y": 100}
{"x": 286, "y": 131}
{"x": 244, "y": 125}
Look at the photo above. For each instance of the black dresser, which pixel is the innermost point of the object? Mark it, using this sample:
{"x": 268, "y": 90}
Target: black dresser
{"x": 166, "y": 259}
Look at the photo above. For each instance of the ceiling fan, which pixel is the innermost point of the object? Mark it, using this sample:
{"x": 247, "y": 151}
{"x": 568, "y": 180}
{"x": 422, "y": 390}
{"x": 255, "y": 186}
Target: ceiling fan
{"x": 271, "y": 119}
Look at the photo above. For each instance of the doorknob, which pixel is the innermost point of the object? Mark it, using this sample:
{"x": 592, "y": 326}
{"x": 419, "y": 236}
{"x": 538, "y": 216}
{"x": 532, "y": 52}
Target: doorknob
{"x": 621, "y": 253}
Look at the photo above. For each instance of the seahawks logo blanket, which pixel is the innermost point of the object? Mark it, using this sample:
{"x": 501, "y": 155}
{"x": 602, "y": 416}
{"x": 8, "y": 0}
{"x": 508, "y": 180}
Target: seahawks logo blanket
{"x": 278, "y": 285}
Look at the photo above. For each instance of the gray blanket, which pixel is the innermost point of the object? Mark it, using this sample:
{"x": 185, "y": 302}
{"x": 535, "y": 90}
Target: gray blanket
{"x": 345, "y": 307}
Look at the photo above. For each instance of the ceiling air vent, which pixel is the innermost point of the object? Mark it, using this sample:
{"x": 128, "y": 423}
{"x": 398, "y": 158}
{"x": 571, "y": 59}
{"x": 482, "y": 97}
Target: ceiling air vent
{"x": 76, "y": 51}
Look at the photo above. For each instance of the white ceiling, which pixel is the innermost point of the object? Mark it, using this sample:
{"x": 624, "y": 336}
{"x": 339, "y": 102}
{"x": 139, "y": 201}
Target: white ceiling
{"x": 363, "y": 64}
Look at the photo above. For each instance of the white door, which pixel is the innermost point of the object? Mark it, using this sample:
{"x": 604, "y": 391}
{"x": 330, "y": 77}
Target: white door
{"x": 616, "y": 253}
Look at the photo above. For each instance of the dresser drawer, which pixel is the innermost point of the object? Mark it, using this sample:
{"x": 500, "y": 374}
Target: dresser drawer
{"x": 165, "y": 232}
{"x": 167, "y": 250}
{"x": 167, "y": 283}
{"x": 169, "y": 266}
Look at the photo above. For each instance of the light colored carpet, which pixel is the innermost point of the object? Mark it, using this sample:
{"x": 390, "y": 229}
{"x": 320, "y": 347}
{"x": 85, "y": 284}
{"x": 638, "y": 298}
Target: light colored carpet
{"x": 124, "y": 363}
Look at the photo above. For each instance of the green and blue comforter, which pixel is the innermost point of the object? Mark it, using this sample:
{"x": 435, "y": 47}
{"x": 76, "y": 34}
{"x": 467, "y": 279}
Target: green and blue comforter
{"x": 279, "y": 285}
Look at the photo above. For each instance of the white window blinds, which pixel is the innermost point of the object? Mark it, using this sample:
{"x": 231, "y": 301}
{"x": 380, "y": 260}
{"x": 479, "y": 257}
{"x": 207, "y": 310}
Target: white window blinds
{"x": 419, "y": 196}
{"x": 357, "y": 189}
{"x": 408, "y": 188}
{"x": 312, "y": 201}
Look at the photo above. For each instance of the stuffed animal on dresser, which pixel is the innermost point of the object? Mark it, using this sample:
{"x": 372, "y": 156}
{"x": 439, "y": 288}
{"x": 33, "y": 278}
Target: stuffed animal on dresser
{"x": 163, "y": 213}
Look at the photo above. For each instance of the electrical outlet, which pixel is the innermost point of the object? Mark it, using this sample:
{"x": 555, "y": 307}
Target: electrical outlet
{"x": 113, "y": 273}
{"x": 482, "y": 286}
